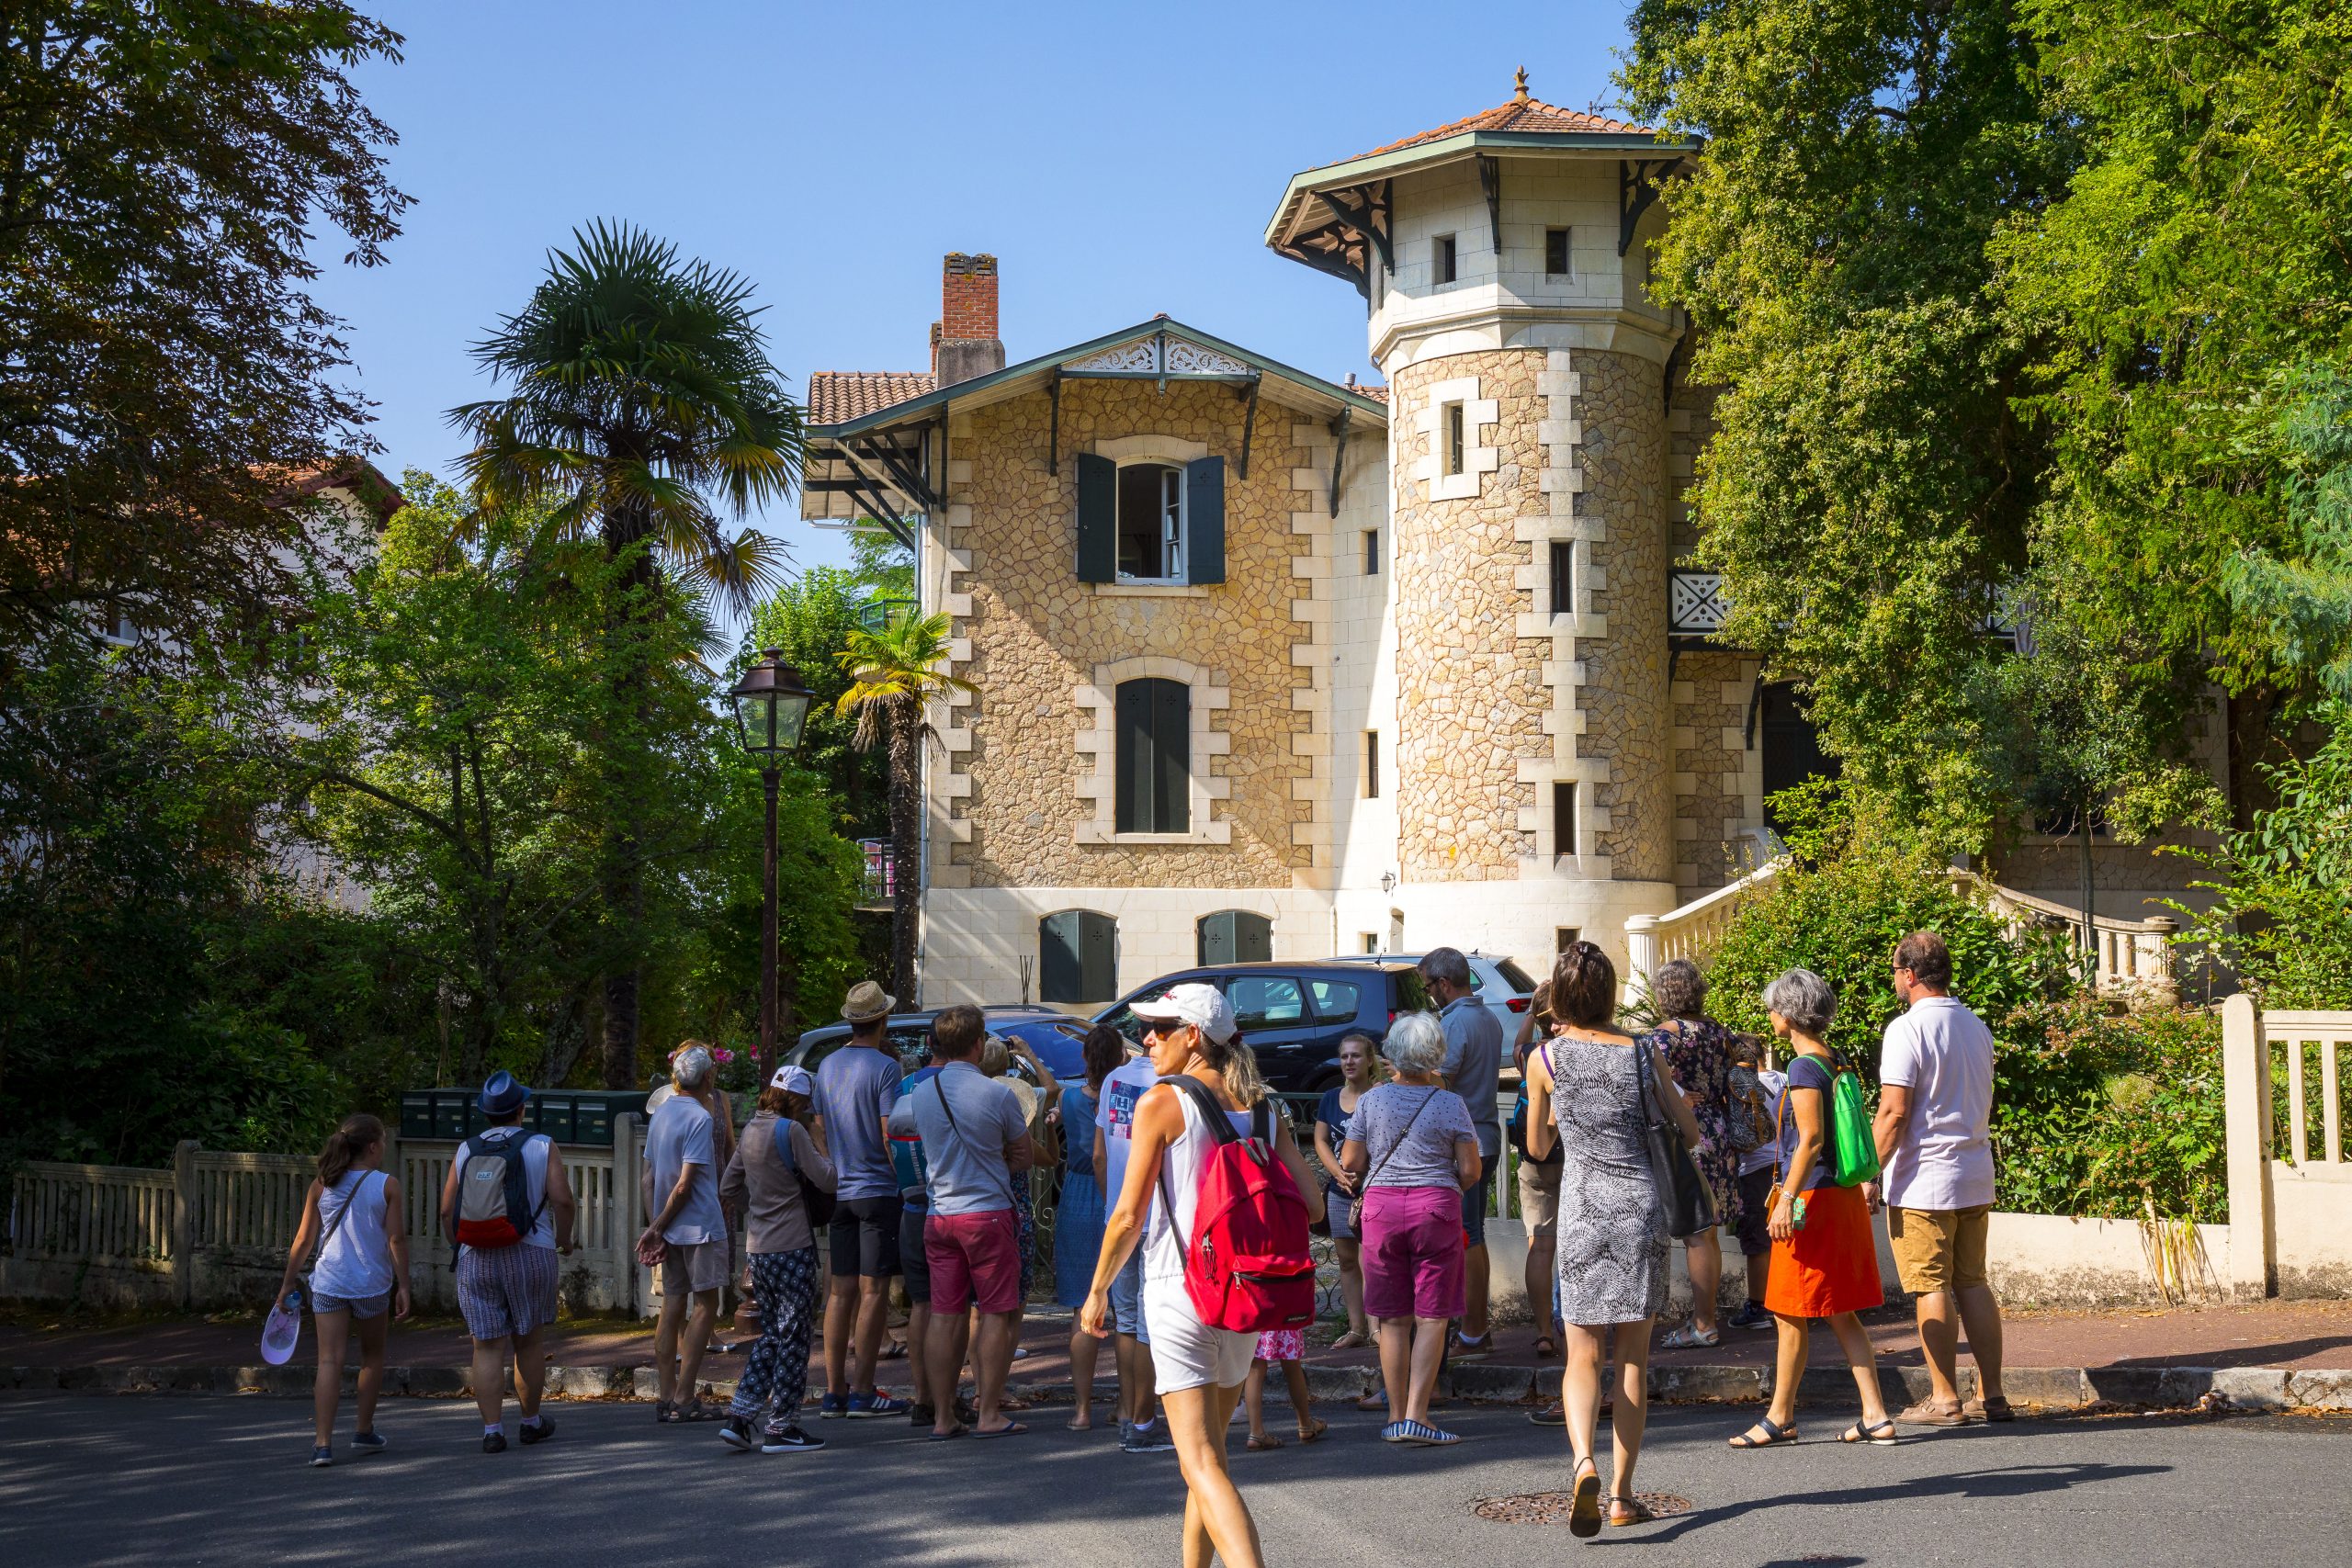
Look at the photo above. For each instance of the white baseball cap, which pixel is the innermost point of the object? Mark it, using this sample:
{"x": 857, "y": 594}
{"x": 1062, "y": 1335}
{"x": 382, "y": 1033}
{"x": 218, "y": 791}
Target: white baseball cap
{"x": 1202, "y": 1006}
{"x": 793, "y": 1080}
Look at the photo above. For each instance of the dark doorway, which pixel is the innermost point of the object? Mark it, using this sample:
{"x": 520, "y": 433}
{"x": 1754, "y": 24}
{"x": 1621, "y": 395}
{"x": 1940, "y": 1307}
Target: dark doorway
{"x": 1791, "y": 746}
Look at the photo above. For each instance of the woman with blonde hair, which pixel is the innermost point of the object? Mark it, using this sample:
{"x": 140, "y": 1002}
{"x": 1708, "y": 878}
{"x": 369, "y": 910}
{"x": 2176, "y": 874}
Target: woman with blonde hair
{"x": 361, "y": 1279}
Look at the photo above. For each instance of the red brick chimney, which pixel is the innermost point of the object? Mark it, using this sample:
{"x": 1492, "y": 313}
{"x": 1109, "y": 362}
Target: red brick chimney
{"x": 964, "y": 341}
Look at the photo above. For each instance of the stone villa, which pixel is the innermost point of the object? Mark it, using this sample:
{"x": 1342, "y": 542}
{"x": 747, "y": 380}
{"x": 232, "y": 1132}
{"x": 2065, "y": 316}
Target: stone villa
{"x": 1277, "y": 666}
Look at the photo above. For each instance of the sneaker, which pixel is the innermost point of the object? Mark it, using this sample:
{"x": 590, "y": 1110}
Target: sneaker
{"x": 787, "y": 1438}
{"x": 1751, "y": 1314}
{"x": 866, "y": 1406}
{"x": 367, "y": 1443}
{"x": 321, "y": 1457}
{"x": 1126, "y": 1430}
{"x": 538, "y": 1431}
{"x": 834, "y": 1408}
{"x": 737, "y": 1434}
{"x": 1151, "y": 1439}
{"x": 493, "y": 1442}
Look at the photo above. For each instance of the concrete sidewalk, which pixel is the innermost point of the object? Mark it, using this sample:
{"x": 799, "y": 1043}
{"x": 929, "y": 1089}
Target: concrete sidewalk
{"x": 2274, "y": 1355}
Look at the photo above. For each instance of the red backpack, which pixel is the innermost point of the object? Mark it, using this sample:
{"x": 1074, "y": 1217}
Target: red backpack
{"x": 1246, "y": 1265}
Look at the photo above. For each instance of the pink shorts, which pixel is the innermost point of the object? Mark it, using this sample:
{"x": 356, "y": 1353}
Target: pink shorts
{"x": 975, "y": 1260}
{"x": 1412, "y": 1252}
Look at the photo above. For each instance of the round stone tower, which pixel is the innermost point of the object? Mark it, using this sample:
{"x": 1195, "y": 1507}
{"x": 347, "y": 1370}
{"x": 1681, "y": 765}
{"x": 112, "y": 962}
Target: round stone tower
{"x": 1501, "y": 259}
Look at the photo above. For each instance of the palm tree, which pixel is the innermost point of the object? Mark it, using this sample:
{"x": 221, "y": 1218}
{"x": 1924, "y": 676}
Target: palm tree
{"x": 642, "y": 406}
{"x": 894, "y": 673}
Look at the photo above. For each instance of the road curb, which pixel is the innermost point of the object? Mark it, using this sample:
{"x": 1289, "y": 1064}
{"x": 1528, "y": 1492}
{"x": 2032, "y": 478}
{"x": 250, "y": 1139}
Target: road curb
{"x": 2041, "y": 1388}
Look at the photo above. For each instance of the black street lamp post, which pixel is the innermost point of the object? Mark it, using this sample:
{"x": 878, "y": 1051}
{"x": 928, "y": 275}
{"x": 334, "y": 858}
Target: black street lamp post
{"x": 771, "y": 705}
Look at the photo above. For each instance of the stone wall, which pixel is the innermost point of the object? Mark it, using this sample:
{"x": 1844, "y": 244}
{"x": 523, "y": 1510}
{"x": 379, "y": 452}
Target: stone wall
{"x": 1712, "y": 763}
{"x": 1013, "y": 815}
{"x": 1621, "y": 465}
{"x": 1471, "y": 696}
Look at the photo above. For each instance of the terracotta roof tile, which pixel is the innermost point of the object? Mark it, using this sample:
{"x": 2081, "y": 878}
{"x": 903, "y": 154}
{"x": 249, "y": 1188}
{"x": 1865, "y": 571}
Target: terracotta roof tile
{"x": 835, "y": 396}
{"x": 1521, "y": 113}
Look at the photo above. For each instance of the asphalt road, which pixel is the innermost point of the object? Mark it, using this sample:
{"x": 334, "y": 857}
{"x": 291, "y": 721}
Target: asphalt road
{"x": 94, "y": 1481}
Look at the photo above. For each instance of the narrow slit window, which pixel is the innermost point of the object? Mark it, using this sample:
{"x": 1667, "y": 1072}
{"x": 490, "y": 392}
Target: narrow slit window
{"x": 1442, "y": 260}
{"x": 1372, "y": 764}
{"x": 1453, "y": 432}
{"x": 1371, "y": 940}
{"x": 1567, "y": 936}
{"x": 1556, "y": 252}
{"x": 1564, "y": 818}
{"x": 1372, "y": 552}
{"x": 1563, "y": 578}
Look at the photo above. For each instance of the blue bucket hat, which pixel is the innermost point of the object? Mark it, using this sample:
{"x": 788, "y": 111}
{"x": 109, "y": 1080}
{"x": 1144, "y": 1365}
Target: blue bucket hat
{"x": 503, "y": 1094}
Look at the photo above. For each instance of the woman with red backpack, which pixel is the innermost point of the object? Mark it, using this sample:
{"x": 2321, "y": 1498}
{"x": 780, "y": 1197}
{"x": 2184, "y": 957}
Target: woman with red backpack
{"x": 1225, "y": 1245}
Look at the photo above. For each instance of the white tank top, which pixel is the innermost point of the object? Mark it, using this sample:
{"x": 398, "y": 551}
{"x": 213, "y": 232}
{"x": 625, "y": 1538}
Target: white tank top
{"x": 356, "y": 1260}
{"x": 1179, "y": 1174}
{"x": 534, "y": 1180}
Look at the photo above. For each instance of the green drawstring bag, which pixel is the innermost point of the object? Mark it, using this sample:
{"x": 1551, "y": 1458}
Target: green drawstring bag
{"x": 1853, "y": 1150}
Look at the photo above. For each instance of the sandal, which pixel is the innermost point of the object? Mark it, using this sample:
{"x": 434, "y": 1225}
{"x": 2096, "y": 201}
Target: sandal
{"x": 1009, "y": 1430}
{"x": 1883, "y": 1434}
{"x": 1261, "y": 1442}
{"x": 1688, "y": 1338}
{"x": 1774, "y": 1433}
{"x": 1314, "y": 1433}
{"x": 892, "y": 1350}
{"x": 1544, "y": 1347}
{"x": 693, "y": 1410}
{"x": 1633, "y": 1506}
{"x": 1584, "y": 1515}
{"x": 1376, "y": 1401}
{"x": 1351, "y": 1340}
{"x": 1993, "y": 1409}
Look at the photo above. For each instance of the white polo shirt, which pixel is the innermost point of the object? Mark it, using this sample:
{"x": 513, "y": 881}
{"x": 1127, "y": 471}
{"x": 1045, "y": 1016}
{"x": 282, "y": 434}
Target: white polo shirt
{"x": 1943, "y": 1054}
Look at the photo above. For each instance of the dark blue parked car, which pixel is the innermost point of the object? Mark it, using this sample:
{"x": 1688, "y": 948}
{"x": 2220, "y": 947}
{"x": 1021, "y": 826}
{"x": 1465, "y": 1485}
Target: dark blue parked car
{"x": 1052, "y": 1033}
{"x": 1293, "y": 1013}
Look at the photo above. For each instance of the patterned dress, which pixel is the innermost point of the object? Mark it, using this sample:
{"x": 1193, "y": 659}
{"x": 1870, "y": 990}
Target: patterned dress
{"x": 1611, "y": 1244}
{"x": 1700, "y": 1054}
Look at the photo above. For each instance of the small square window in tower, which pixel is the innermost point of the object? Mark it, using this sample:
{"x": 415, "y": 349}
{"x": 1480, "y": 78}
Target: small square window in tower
{"x": 1151, "y": 790}
{"x": 1556, "y": 252}
{"x": 1372, "y": 552}
{"x": 1372, "y": 764}
{"x": 1563, "y": 578}
{"x": 1566, "y": 937}
{"x": 1441, "y": 259}
{"x": 1151, "y": 523}
{"x": 1452, "y": 431}
{"x": 1564, "y": 820}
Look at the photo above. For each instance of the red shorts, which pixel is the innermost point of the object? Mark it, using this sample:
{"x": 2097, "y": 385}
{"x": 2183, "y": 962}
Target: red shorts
{"x": 975, "y": 1260}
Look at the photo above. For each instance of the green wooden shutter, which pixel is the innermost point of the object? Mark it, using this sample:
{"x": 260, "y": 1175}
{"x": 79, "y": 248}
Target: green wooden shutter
{"x": 1253, "y": 938}
{"x": 1213, "y": 936}
{"x": 1134, "y": 763}
{"x": 1060, "y": 975}
{"x": 1205, "y": 520}
{"x": 1098, "y": 519}
{"x": 1098, "y": 957}
{"x": 1171, "y": 726}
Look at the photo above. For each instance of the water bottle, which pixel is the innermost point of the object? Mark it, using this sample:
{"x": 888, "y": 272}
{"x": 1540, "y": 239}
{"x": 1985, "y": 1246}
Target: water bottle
{"x": 294, "y": 1302}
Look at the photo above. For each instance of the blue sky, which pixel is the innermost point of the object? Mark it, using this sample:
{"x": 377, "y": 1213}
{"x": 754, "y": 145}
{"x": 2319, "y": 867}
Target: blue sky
{"x": 1118, "y": 160}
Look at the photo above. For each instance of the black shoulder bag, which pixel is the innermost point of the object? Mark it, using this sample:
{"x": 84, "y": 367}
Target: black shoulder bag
{"x": 1689, "y": 1201}
{"x": 819, "y": 1204}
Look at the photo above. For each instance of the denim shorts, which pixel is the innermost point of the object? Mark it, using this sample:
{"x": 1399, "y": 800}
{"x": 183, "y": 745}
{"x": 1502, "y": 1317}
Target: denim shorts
{"x": 1126, "y": 1298}
{"x": 1474, "y": 1206}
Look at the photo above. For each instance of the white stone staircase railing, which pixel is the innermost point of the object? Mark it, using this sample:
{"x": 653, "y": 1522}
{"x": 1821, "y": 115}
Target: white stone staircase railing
{"x": 2126, "y": 952}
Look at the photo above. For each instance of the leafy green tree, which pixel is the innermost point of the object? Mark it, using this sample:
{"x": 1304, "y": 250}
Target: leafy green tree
{"x": 643, "y": 407}
{"x": 895, "y": 674}
{"x": 162, "y": 361}
{"x": 1868, "y": 493}
{"x": 2300, "y": 596}
{"x": 2197, "y": 254}
{"x": 810, "y": 619}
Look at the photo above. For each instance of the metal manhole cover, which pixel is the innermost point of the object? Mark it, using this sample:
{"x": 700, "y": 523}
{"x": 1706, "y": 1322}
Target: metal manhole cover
{"x": 1554, "y": 1507}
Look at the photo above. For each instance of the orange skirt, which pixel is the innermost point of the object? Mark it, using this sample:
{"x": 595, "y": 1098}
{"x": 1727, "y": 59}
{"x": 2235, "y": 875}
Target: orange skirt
{"x": 1831, "y": 1266}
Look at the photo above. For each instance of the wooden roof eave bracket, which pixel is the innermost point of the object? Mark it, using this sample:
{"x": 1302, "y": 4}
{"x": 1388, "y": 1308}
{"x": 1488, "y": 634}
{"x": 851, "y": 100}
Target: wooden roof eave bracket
{"x": 1338, "y": 459}
{"x": 1249, "y": 423}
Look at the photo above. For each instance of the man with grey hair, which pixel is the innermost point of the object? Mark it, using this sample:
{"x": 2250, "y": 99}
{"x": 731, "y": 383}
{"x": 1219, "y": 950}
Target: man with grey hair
{"x": 1473, "y": 1068}
{"x": 687, "y": 1235}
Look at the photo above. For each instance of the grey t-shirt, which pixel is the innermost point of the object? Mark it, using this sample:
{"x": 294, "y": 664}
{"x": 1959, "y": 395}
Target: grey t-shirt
{"x": 681, "y": 1135}
{"x": 965, "y": 1151}
{"x": 1473, "y": 1065}
{"x": 1425, "y": 1158}
{"x": 856, "y": 1086}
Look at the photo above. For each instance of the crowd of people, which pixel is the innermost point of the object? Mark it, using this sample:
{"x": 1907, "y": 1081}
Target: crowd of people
{"x": 921, "y": 1177}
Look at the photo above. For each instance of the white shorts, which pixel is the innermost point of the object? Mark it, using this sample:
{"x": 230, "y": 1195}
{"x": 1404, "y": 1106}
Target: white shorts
{"x": 1186, "y": 1352}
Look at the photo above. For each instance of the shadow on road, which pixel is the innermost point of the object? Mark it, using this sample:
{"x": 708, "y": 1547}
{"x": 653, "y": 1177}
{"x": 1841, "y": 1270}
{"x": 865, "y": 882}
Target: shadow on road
{"x": 2009, "y": 1481}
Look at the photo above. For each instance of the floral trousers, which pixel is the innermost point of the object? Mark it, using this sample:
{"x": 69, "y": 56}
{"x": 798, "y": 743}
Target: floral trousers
{"x": 777, "y": 1370}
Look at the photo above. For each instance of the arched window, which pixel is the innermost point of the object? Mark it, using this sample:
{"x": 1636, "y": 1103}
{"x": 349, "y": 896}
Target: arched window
{"x": 1078, "y": 957}
{"x": 1153, "y": 784}
{"x": 1235, "y": 936}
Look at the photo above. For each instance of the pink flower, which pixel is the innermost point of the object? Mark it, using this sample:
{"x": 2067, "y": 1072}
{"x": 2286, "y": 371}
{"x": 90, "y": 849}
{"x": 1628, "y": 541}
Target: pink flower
{"x": 722, "y": 1055}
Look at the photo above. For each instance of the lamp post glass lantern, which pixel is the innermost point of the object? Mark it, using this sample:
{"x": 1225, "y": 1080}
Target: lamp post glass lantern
{"x": 771, "y": 705}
